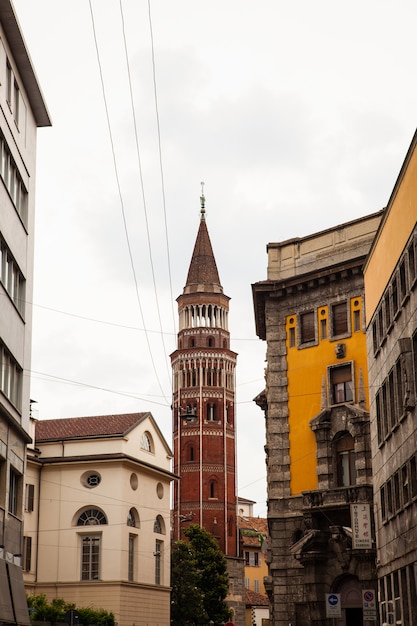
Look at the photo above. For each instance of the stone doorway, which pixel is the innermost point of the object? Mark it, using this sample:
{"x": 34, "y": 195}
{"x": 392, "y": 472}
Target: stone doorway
{"x": 350, "y": 590}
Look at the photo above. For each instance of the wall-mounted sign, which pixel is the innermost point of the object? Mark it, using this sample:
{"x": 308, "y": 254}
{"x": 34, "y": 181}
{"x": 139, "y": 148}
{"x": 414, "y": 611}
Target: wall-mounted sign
{"x": 333, "y": 605}
{"x": 361, "y": 526}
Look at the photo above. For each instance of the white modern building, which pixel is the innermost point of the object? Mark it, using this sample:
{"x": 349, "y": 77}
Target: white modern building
{"x": 97, "y": 519}
{"x": 22, "y": 112}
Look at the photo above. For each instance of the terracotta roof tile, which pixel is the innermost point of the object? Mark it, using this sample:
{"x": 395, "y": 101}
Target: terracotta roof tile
{"x": 258, "y": 524}
{"x": 255, "y": 599}
{"x": 85, "y": 427}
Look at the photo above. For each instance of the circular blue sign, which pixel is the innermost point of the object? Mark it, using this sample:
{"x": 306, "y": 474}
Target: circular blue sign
{"x": 333, "y": 600}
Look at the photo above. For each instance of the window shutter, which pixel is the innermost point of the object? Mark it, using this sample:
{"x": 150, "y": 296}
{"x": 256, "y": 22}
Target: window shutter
{"x": 340, "y": 319}
{"x": 30, "y": 497}
{"x": 307, "y": 327}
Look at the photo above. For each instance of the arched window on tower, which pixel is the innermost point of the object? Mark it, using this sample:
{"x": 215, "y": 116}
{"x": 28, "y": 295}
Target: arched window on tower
{"x": 211, "y": 412}
{"x": 191, "y": 342}
{"x": 210, "y": 342}
{"x": 213, "y": 489}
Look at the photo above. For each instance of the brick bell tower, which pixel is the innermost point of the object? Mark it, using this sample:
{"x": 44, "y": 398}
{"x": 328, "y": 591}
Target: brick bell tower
{"x": 203, "y": 368}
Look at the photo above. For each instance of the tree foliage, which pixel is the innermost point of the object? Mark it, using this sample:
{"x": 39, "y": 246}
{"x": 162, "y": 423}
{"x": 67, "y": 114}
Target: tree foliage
{"x": 55, "y": 611}
{"x": 199, "y": 572}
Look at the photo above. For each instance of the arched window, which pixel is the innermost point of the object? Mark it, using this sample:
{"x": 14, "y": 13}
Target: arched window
{"x": 159, "y": 525}
{"x": 146, "y": 442}
{"x": 191, "y": 453}
{"x": 210, "y": 342}
{"x": 344, "y": 448}
{"x": 191, "y": 342}
{"x": 213, "y": 489}
{"x": 133, "y": 518}
{"x": 91, "y": 517}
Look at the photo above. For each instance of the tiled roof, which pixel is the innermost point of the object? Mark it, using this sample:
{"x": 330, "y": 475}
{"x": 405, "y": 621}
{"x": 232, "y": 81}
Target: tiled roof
{"x": 203, "y": 268}
{"x": 83, "y": 427}
{"x": 258, "y": 524}
{"x": 255, "y": 599}
{"x": 250, "y": 528}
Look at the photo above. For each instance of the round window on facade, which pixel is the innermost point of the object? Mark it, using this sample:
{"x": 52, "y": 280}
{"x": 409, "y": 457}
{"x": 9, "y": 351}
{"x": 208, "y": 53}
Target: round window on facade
{"x": 134, "y": 481}
{"x": 90, "y": 479}
{"x": 160, "y": 490}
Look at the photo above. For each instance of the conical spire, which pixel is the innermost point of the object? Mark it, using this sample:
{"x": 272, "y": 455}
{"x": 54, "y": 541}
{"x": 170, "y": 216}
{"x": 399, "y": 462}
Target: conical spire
{"x": 203, "y": 269}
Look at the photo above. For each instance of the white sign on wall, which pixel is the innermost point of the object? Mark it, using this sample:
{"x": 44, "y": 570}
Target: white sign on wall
{"x": 369, "y": 604}
{"x": 333, "y": 605}
{"x": 361, "y": 526}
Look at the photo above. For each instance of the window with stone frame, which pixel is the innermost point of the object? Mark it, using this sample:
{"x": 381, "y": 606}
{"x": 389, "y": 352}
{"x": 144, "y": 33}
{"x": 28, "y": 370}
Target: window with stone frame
{"x": 344, "y": 449}
{"x": 341, "y": 383}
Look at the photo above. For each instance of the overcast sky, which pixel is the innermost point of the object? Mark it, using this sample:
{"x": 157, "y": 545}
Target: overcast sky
{"x": 297, "y": 115}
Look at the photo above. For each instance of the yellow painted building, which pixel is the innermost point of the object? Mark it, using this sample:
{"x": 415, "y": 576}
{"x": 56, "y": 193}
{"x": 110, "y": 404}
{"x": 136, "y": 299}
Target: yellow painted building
{"x": 311, "y": 381}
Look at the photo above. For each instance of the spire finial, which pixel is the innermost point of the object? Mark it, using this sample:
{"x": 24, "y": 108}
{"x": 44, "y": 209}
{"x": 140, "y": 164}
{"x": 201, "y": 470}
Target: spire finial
{"x": 202, "y": 201}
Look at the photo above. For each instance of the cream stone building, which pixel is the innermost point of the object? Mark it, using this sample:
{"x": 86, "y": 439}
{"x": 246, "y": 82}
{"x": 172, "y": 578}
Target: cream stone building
{"x": 22, "y": 112}
{"x": 97, "y": 515}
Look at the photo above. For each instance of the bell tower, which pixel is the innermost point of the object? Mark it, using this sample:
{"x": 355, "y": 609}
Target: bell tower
{"x": 203, "y": 368}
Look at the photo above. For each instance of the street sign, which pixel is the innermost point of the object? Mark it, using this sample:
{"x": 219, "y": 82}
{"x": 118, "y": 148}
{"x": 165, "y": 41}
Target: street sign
{"x": 333, "y": 605}
{"x": 369, "y": 604}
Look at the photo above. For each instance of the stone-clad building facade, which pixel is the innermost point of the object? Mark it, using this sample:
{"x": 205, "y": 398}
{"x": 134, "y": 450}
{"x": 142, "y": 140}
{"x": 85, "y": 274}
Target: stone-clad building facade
{"x": 310, "y": 312}
{"x": 391, "y": 307}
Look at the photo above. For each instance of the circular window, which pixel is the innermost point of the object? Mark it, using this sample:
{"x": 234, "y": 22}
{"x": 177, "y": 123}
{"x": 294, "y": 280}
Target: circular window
{"x": 323, "y": 312}
{"x": 291, "y": 320}
{"x": 134, "y": 481}
{"x": 356, "y": 303}
{"x": 90, "y": 479}
{"x": 160, "y": 490}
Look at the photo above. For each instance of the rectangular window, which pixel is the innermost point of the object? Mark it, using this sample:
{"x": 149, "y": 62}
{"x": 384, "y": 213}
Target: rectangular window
{"x": 292, "y": 337}
{"x": 379, "y": 423}
{"x": 131, "y": 557}
{"x": 394, "y": 295}
{"x": 381, "y": 325}
{"x": 16, "y": 99}
{"x": 383, "y": 504}
{"x": 10, "y": 377}
{"x": 387, "y": 307}
{"x": 412, "y": 475}
{"x": 9, "y": 83}
{"x": 403, "y": 280}
{"x": 340, "y": 319}
{"x": 405, "y": 485}
{"x": 396, "y": 492}
{"x": 11, "y": 277}
{"x": 27, "y": 553}
{"x": 323, "y": 329}
{"x": 411, "y": 263}
{"x": 341, "y": 384}
{"x": 14, "y": 487}
{"x": 307, "y": 327}
{"x": 29, "y": 497}
{"x": 247, "y": 583}
{"x": 256, "y": 586}
{"x": 158, "y": 561}
{"x": 356, "y": 320}
{"x": 90, "y": 557}
{"x": 12, "y": 180}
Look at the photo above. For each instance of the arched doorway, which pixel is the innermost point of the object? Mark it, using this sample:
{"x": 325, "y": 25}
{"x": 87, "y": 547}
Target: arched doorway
{"x": 350, "y": 590}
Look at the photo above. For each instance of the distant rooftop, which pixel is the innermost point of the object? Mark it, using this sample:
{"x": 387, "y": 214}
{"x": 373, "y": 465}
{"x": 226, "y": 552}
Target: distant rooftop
{"x": 87, "y": 427}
